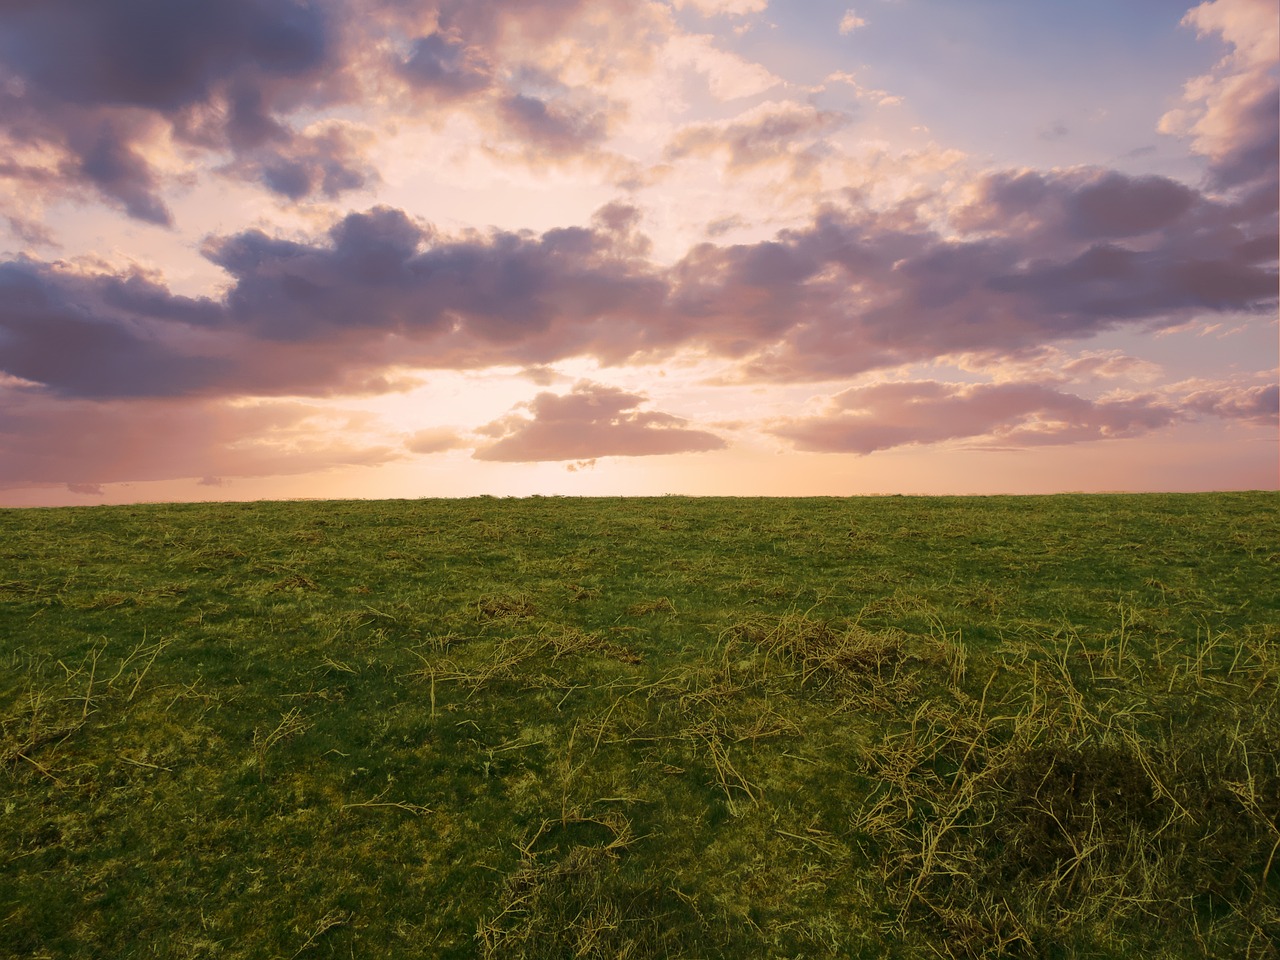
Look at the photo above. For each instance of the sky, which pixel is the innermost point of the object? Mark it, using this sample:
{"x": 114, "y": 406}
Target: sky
{"x": 431, "y": 248}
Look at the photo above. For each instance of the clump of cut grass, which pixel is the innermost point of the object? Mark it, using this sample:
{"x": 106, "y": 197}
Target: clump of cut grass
{"x": 499, "y": 607}
{"x": 1040, "y": 812}
{"x": 570, "y": 897}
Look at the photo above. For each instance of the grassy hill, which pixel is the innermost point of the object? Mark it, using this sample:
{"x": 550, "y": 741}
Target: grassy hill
{"x": 642, "y": 728}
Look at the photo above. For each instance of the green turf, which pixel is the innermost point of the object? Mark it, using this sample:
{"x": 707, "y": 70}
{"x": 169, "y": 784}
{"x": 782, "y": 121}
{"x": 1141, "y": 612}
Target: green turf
{"x": 644, "y": 728}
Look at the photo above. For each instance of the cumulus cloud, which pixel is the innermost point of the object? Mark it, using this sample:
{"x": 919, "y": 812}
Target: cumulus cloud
{"x": 1036, "y": 259}
{"x": 328, "y": 317}
{"x": 118, "y": 100}
{"x": 1232, "y": 114}
{"x": 101, "y": 86}
{"x": 591, "y": 421}
{"x": 1258, "y": 404}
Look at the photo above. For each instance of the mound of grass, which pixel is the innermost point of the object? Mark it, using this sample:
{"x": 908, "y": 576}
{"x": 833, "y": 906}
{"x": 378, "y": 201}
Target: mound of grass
{"x": 906, "y": 727}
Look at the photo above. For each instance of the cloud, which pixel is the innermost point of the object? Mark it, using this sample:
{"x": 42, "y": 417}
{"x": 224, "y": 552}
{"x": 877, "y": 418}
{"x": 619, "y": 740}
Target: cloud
{"x": 1232, "y": 113}
{"x": 554, "y": 127}
{"x": 102, "y": 86}
{"x": 1013, "y": 414}
{"x": 729, "y": 76}
{"x": 1033, "y": 259}
{"x": 881, "y": 98}
{"x": 329, "y": 316}
{"x": 447, "y": 66}
{"x": 766, "y": 133}
{"x": 710, "y": 8}
{"x": 433, "y": 440}
{"x": 894, "y": 414}
{"x": 120, "y": 100}
{"x": 1038, "y": 259}
{"x": 1258, "y": 404}
{"x": 327, "y": 162}
{"x": 86, "y": 444}
{"x": 850, "y": 22}
{"x": 591, "y": 421}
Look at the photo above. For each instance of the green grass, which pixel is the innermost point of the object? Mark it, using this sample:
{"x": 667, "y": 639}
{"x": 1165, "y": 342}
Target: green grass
{"x": 643, "y": 728}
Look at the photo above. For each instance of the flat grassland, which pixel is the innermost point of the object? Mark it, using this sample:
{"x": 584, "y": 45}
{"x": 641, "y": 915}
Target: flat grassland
{"x": 642, "y": 728}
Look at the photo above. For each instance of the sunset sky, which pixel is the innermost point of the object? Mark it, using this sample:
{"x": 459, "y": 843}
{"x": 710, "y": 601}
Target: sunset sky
{"x": 403, "y": 248}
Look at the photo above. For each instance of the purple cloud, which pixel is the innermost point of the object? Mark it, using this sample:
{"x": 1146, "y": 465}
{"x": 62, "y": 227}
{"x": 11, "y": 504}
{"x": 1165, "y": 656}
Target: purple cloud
{"x": 892, "y": 414}
{"x": 787, "y": 131}
{"x": 447, "y": 67}
{"x": 886, "y": 415}
{"x": 854, "y": 291}
{"x": 92, "y": 81}
{"x": 590, "y": 422}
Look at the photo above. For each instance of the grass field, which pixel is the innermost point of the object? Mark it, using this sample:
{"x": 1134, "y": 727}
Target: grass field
{"x": 643, "y": 728}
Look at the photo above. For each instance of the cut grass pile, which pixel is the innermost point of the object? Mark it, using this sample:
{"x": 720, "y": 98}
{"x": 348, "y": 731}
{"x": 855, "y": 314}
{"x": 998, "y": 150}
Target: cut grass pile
{"x": 642, "y": 728}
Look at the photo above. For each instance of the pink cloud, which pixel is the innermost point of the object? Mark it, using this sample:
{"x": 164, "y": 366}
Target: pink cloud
{"x": 765, "y": 134}
{"x": 1232, "y": 114}
{"x": 591, "y": 421}
{"x": 85, "y": 444}
{"x": 855, "y": 290}
{"x": 1258, "y": 404}
{"x": 99, "y": 90}
{"x": 1008, "y": 415}
{"x": 95, "y": 83}
{"x": 893, "y": 414}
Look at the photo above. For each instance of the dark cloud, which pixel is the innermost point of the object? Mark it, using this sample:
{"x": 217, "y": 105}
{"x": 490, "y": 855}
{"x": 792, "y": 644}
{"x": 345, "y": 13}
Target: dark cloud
{"x": 107, "y": 159}
{"x": 1089, "y": 205}
{"x": 99, "y": 336}
{"x": 855, "y": 290}
{"x": 590, "y": 422}
{"x": 159, "y": 54}
{"x": 327, "y": 163}
{"x": 1253, "y": 151}
{"x": 96, "y": 82}
{"x": 555, "y": 127}
{"x": 1115, "y": 205}
{"x": 101, "y": 86}
{"x": 886, "y": 415}
{"x": 328, "y": 317}
{"x": 1036, "y": 261}
{"x": 447, "y": 66}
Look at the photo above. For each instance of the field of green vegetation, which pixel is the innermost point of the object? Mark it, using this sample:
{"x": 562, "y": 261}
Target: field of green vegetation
{"x": 643, "y": 728}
